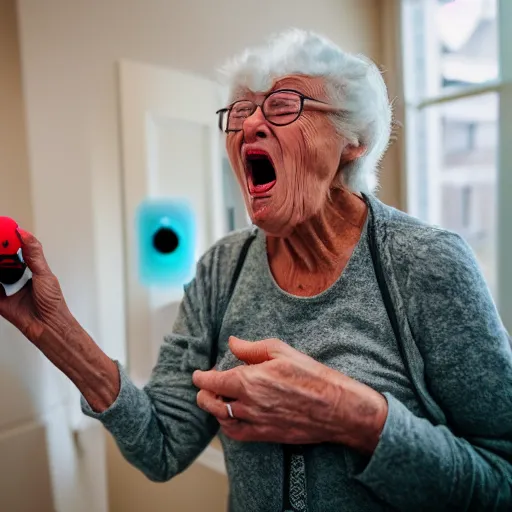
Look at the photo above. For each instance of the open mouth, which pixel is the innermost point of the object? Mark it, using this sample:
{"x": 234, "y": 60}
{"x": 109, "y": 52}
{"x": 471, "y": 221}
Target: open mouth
{"x": 261, "y": 175}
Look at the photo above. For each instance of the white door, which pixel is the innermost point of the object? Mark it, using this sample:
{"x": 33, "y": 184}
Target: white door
{"x": 172, "y": 148}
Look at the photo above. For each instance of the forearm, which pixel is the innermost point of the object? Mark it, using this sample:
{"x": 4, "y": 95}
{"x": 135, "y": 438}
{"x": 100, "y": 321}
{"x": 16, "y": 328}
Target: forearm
{"x": 418, "y": 466}
{"x": 68, "y": 346}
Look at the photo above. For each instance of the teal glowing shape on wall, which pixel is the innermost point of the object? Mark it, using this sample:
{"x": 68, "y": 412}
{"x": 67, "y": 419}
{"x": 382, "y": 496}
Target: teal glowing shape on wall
{"x": 166, "y": 240}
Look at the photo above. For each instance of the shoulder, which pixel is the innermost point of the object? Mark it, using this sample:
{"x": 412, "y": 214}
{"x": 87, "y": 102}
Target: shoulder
{"x": 438, "y": 278}
{"x": 415, "y": 246}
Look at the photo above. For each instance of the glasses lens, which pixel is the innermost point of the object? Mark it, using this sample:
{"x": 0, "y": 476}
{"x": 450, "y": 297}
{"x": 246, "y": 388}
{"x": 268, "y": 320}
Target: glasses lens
{"x": 282, "y": 107}
{"x": 239, "y": 112}
{"x": 223, "y": 117}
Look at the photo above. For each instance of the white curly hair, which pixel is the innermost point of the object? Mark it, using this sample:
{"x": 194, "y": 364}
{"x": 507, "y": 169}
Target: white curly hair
{"x": 353, "y": 82}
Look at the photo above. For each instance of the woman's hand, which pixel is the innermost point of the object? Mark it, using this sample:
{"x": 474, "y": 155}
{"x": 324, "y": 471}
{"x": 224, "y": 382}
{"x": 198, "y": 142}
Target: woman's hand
{"x": 40, "y": 312}
{"x": 40, "y": 303}
{"x": 282, "y": 395}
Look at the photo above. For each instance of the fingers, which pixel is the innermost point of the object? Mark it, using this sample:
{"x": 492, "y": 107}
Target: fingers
{"x": 212, "y": 404}
{"x": 227, "y": 383}
{"x": 256, "y": 352}
{"x": 217, "y": 407}
{"x": 238, "y": 431}
{"x": 250, "y": 352}
{"x": 32, "y": 251}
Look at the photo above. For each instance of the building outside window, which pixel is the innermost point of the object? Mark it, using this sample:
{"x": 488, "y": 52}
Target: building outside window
{"x": 452, "y": 88}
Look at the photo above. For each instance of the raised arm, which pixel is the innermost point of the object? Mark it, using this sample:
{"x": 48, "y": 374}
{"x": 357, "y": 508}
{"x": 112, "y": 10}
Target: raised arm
{"x": 468, "y": 368}
{"x": 40, "y": 312}
{"x": 159, "y": 429}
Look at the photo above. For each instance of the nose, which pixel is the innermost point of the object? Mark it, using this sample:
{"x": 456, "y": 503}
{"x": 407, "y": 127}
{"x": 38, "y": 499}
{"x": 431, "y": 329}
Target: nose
{"x": 255, "y": 127}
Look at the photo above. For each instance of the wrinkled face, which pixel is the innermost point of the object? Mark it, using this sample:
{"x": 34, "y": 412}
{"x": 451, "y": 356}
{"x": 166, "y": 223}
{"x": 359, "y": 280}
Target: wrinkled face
{"x": 285, "y": 172}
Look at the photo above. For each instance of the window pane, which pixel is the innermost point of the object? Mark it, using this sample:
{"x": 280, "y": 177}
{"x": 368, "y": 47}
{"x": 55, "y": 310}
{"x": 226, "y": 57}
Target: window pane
{"x": 454, "y": 168}
{"x": 236, "y": 213}
{"x": 448, "y": 44}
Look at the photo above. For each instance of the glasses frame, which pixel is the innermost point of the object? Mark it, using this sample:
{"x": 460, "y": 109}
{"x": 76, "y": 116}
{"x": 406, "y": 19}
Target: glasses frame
{"x": 317, "y": 105}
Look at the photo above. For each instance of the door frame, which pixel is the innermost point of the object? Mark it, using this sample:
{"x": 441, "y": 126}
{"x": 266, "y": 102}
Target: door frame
{"x": 145, "y": 93}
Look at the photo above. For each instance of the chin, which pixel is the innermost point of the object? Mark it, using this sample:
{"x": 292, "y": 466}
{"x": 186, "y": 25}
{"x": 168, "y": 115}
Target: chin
{"x": 270, "y": 222}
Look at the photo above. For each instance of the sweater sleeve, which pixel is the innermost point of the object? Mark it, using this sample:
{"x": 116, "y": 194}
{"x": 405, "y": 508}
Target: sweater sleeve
{"x": 160, "y": 429}
{"x": 466, "y": 465}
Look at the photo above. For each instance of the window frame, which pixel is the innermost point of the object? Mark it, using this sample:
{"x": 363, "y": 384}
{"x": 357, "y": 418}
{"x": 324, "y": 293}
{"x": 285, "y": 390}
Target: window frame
{"x": 504, "y": 230}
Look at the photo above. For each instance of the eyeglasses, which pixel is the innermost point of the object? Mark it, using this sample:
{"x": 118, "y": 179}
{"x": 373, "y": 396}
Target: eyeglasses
{"x": 279, "y": 108}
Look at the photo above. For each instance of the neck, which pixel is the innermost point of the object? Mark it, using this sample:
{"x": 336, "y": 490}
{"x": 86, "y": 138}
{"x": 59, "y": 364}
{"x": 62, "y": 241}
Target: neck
{"x": 326, "y": 241}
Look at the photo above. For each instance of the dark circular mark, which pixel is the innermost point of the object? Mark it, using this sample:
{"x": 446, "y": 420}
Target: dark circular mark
{"x": 165, "y": 240}
{"x": 11, "y": 275}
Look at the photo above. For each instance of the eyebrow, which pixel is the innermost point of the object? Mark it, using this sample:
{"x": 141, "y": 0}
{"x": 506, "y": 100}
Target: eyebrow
{"x": 287, "y": 87}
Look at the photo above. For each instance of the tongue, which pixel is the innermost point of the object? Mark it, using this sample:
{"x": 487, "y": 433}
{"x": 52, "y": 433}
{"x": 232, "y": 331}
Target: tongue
{"x": 260, "y": 189}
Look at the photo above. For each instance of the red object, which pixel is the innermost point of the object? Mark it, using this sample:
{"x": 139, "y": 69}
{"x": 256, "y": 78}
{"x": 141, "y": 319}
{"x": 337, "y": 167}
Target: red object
{"x": 12, "y": 265}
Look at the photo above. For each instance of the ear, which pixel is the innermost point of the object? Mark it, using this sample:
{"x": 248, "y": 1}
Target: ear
{"x": 352, "y": 152}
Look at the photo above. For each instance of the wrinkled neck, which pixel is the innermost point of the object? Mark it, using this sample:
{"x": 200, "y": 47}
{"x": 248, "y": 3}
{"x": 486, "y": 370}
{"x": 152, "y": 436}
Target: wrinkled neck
{"x": 325, "y": 240}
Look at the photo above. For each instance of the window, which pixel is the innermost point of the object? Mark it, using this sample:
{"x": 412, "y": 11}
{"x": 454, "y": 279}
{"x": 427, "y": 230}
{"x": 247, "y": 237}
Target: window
{"x": 453, "y": 86}
{"x": 236, "y": 216}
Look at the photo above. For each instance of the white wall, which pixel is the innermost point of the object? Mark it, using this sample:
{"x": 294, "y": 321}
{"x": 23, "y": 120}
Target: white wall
{"x": 69, "y": 53}
{"x": 197, "y": 489}
{"x": 36, "y": 441}
{"x": 14, "y": 199}
{"x": 21, "y": 398}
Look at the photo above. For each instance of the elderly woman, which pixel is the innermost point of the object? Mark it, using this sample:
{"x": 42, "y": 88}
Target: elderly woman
{"x": 350, "y": 357}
